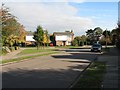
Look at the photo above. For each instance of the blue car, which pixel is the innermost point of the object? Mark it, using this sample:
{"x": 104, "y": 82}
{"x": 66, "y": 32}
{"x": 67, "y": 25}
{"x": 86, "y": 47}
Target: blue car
{"x": 96, "y": 47}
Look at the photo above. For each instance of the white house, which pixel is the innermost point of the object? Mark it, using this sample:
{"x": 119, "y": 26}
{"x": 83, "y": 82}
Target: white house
{"x": 29, "y": 38}
{"x": 63, "y": 38}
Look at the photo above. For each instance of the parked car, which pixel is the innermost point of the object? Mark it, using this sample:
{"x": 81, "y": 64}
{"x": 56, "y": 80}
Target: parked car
{"x": 51, "y": 44}
{"x": 96, "y": 47}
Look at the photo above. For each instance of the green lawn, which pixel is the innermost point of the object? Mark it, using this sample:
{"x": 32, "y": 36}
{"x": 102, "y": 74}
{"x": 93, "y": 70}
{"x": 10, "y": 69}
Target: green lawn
{"x": 31, "y": 51}
{"x": 92, "y": 77}
{"x": 67, "y": 46}
{"x": 26, "y": 57}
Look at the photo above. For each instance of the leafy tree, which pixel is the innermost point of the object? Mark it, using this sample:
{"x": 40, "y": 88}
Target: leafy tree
{"x": 107, "y": 35}
{"x": 97, "y": 33}
{"x": 10, "y": 26}
{"x": 22, "y": 34}
{"x": 78, "y": 39}
{"x": 74, "y": 42}
{"x": 48, "y": 37}
{"x": 114, "y": 36}
{"x": 118, "y": 35}
{"x": 8, "y": 23}
{"x": 38, "y": 36}
{"x": 90, "y": 36}
{"x": 12, "y": 40}
{"x": 45, "y": 38}
{"x": 52, "y": 39}
{"x": 93, "y": 35}
{"x": 83, "y": 39}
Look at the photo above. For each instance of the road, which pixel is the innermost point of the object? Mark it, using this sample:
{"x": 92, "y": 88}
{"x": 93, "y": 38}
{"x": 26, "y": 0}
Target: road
{"x": 53, "y": 71}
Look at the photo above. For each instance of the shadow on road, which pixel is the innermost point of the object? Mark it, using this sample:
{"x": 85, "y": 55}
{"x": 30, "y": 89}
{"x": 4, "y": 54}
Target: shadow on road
{"x": 48, "y": 78}
{"x": 81, "y": 48}
{"x": 79, "y": 54}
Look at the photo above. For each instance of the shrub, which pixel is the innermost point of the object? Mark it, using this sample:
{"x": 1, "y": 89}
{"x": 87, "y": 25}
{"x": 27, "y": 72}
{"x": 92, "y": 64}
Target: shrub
{"x": 16, "y": 47}
{"x": 11, "y": 49}
{"x": 5, "y": 50}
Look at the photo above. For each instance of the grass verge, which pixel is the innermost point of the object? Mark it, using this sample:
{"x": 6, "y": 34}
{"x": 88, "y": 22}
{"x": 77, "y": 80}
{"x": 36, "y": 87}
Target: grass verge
{"x": 67, "y": 47}
{"x": 106, "y": 49}
{"x": 93, "y": 76}
{"x": 31, "y": 51}
{"x": 26, "y": 57}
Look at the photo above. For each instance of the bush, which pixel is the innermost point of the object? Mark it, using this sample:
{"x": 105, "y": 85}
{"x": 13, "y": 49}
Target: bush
{"x": 74, "y": 42}
{"x": 16, "y": 47}
{"x": 12, "y": 49}
{"x": 5, "y": 50}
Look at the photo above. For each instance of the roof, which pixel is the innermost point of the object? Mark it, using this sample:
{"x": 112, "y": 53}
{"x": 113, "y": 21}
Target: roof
{"x": 29, "y": 33}
{"x": 63, "y": 33}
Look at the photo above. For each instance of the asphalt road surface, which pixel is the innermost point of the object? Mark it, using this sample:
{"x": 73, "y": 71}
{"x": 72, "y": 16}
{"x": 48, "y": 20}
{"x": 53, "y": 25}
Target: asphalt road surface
{"x": 53, "y": 71}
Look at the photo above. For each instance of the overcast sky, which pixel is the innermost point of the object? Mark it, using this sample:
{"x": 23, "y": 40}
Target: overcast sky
{"x": 76, "y": 15}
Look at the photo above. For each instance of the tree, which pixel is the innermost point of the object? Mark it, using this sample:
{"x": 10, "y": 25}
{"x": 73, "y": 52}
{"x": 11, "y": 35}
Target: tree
{"x": 78, "y": 39}
{"x": 93, "y": 35}
{"x": 45, "y": 38}
{"x": 10, "y": 26}
{"x": 52, "y": 39}
{"x": 22, "y": 34}
{"x": 107, "y": 34}
{"x": 48, "y": 37}
{"x": 8, "y": 23}
{"x": 114, "y": 36}
{"x": 12, "y": 40}
{"x": 118, "y": 35}
{"x": 90, "y": 36}
{"x": 74, "y": 42}
{"x": 38, "y": 36}
{"x": 83, "y": 39}
{"x": 97, "y": 33}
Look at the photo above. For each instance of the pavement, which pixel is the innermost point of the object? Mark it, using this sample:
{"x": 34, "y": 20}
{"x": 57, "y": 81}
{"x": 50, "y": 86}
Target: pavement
{"x": 11, "y": 55}
{"x": 52, "y": 71}
{"x": 15, "y": 54}
{"x": 112, "y": 77}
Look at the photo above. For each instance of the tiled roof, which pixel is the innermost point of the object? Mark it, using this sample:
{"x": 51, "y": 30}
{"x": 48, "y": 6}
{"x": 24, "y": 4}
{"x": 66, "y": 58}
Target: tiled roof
{"x": 63, "y": 33}
{"x": 29, "y": 33}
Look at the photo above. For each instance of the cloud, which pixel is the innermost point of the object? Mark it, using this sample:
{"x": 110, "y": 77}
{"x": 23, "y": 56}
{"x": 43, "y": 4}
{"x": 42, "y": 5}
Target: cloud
{"x": 75, "y": 1}
{"x": 52, "y": 16}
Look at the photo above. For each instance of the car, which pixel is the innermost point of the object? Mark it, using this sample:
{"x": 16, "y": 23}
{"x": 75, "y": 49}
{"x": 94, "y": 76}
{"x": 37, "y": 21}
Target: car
{"x": 96, "y": 47}
{"x": 51, "y": 44}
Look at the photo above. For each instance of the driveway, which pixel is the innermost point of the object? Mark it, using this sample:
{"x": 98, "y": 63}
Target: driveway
{"x": 53, "y": 71}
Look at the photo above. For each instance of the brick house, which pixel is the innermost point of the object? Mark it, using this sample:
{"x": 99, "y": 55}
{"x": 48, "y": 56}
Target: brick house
{"x": 63, "y": 38}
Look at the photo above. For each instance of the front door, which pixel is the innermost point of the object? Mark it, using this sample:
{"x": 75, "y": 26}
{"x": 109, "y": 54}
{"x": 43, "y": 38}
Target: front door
{"x": 64, "y": 43}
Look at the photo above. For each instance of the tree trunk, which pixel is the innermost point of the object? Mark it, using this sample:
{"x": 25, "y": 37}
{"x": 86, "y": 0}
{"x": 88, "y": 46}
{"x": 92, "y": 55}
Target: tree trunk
{"x": 38, "y": 46}
{"x": 106, "y": 43}
{"x": 44, "y": 45}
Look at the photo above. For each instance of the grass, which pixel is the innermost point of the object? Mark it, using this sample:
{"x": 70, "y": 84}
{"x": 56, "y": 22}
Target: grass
{"x": 67, "y": 47}
{"x": 106, "y": 48}
{"x": 93, "y": 76}
{"x": 31, "y": 51}
{"x": 26, "y": 57}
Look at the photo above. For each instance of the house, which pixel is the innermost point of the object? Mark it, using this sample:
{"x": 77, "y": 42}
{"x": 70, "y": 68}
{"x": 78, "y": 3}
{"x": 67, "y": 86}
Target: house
{"x": 29, "y": 39}
{"x": 63, "y": 38}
